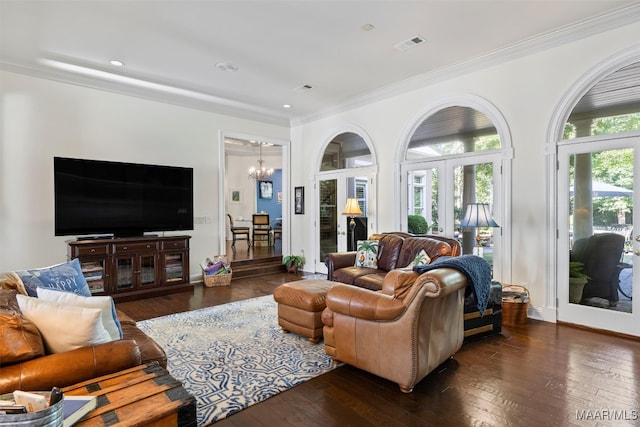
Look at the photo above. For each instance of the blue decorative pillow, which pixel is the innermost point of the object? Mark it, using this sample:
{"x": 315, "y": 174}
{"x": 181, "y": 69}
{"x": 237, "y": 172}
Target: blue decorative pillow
{"x": 65, "y": 277}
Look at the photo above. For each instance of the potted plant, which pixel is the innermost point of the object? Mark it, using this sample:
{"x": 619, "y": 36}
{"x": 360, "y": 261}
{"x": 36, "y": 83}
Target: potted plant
{"x": 577, "y": 280}
{"x": 293, "y": 262}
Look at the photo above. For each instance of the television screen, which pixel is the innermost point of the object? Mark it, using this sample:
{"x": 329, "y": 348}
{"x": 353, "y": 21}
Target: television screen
{"x": 123, "y": 199}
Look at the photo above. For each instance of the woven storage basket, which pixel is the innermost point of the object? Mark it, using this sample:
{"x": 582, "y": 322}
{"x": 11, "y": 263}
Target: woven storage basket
{"x": 216, "y": 280}
{"x": 514, "y": 312}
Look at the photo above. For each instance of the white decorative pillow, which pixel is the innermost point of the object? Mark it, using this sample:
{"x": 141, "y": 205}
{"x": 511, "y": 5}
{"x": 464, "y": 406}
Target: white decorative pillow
{"x": 367, "y": 253}
{"x": 64, "y": 328}
{"x": 421, "y": 259}
{"x": 104, "y": 303}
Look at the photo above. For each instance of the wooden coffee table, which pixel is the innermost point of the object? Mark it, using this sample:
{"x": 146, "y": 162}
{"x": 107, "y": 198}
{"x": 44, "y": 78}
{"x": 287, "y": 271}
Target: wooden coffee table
{"x": 145, "y": 395}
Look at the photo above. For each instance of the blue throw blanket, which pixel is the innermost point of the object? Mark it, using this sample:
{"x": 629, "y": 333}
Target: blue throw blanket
{"x": 477, "y": 270}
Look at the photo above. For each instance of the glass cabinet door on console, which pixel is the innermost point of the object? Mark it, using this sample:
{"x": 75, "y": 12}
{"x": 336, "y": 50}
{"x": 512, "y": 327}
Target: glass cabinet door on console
{"x": 136, "y": 271}
{"x": 174, "y": 261}
{"x": 135, "y": 265}
{"x": 174, "y": 271}
{"x": 95, "y": 275}
{"x": 94, "y": 262}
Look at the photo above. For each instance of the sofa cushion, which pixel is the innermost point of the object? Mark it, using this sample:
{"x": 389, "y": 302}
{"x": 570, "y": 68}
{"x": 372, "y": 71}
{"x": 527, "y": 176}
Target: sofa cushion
{"x": 348, "y": 275}
{"x": 367, "y": 254}
{"x": 413, "y": 245}
{"x": 65, "y": 277}
{"x": 389, "y": 249}
{"x": 103, "y": 303}
{"x": 20, "y": 339}
{"x": 64, "y": 328}
{"x": 371, "y": 281}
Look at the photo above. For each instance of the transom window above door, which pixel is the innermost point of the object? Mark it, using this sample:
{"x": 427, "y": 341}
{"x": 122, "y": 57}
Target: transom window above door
{"x": 453, "y": 130}
{"x": 611, "y": 106}
{"x": 344, "y": 151}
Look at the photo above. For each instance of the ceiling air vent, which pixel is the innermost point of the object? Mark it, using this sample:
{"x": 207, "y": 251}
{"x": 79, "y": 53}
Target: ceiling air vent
{"x": 303, "y": 88}
{"x": 413, "y": 41}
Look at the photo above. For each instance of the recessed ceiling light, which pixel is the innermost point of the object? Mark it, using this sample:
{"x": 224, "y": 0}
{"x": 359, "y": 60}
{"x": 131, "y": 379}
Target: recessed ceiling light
{"x": 286, "y": 106}
{"x": 367, "y": 27}
{"x": 226, "y": 66}
{"x": 116, "y": 63}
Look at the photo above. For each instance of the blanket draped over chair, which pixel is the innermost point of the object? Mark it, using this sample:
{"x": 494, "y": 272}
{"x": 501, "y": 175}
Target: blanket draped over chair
{"x": 475, "y": 268}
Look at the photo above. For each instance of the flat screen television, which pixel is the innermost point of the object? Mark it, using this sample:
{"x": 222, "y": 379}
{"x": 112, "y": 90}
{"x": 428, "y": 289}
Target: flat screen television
{"x": 95, "y": 197}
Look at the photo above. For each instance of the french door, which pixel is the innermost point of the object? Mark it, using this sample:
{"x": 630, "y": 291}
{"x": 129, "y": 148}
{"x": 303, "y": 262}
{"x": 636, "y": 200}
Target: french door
{"x": 589, "y": 203}
{"x": 333, "y": 231}
{"x": 440, "y": 190}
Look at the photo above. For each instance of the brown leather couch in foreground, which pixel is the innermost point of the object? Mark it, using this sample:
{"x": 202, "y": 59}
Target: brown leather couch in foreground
{"x": 402, "y": 332}
{"x": 396, "y": 250}
{"x": 34, "y": 370}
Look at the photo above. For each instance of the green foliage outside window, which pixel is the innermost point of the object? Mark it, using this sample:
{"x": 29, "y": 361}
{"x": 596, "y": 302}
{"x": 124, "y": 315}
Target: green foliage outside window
{"x": 416, "y": 224}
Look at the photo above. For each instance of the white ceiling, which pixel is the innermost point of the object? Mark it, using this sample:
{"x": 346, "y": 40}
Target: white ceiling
{"x": 171, "y": 48}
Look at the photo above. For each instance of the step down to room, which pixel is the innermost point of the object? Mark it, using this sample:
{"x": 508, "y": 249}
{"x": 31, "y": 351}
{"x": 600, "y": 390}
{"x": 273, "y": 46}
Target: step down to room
{"x": 257, "y": 267}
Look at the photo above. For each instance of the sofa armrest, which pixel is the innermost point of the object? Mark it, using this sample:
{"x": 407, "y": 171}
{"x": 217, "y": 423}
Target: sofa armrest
{"x": 70, "y": 367}
{"x": 336, "y": 260}
{"x": 378, "y": 306}
{"x": 442, "y": 281}
{"x": 363, "y": 303}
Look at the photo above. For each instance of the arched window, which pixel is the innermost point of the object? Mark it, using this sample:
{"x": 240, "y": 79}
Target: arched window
{"x": 346, "y": 150}
{"x": 611, "y": 106}
{"x": 453, "y": 130}
{"x": 454, "y": 158}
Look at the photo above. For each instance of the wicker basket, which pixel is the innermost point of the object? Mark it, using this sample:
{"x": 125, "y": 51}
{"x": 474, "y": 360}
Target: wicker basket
{"x": 216, "y": 280}
{"x": 514, "y": 311}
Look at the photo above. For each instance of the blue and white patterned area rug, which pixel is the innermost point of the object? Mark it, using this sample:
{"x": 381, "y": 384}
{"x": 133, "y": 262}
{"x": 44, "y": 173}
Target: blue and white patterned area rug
{"x": 232, "y": 356}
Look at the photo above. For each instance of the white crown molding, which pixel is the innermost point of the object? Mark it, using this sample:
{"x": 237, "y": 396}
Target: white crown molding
{"x": 183, "y": 97}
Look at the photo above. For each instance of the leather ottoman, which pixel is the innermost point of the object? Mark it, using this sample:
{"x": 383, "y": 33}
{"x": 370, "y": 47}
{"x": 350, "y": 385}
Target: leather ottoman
{"x": 300, "y": 306}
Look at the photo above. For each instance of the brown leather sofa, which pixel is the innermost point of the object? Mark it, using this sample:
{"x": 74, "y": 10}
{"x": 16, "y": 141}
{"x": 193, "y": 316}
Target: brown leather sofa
{"x": 396, "y": 250}
{"x": 402, "y": 332}
{"x": 38, "y": 371}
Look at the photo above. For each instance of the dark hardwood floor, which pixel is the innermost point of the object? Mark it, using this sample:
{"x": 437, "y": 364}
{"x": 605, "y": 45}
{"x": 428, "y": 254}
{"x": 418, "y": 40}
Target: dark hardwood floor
{"x": 538, "y": 374}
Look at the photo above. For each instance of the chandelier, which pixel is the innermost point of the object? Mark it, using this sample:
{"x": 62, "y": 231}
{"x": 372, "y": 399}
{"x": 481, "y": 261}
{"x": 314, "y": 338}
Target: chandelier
{"x": 260, "y": 173}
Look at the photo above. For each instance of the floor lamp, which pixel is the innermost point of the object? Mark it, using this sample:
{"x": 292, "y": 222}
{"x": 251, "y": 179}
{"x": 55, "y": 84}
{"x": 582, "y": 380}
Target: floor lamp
{"x": 478, "y": 215}
{"x": 352, "y": 209}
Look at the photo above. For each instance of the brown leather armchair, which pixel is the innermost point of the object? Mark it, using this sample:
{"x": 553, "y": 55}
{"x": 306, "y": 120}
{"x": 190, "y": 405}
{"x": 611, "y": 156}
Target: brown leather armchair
{"x": 402, "y": 332}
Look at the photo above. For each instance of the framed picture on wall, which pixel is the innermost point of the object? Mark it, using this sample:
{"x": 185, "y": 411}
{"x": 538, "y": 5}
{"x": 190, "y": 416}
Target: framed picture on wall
{"x": 235, "y": 196}
{"x": 298, "y": 200}
{"x": 266, "y": 189}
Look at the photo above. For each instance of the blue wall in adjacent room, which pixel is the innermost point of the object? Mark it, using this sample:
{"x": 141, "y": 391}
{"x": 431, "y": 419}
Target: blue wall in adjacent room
{"x": 271, "y": 206}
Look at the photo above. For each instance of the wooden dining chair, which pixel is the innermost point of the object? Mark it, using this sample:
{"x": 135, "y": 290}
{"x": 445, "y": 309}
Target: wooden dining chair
{"x": 239, "y": 233}
{"x": 261, "y": 227}
{"x": 277, "y": 230}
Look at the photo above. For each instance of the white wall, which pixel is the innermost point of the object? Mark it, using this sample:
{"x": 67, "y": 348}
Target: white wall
{"x": 526, "y": 91}
{"x": 41, "y": 119}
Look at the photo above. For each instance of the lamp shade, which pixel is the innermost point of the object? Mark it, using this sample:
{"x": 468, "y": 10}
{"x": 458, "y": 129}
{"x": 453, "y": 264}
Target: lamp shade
{"x": 478, "y": 215}
{"x": 352, "y": 208}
